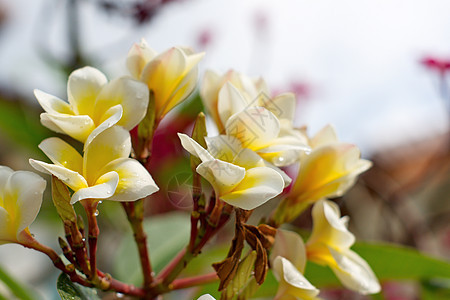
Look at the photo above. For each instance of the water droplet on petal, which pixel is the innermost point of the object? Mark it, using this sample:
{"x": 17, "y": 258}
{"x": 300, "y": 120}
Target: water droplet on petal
{"x": 119, "y": 295}
{"x": 96, "y": 213}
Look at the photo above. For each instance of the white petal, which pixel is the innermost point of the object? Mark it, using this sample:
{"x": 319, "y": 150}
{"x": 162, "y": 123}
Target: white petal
{"x": 131, "y": 94}
{"x": 46, "y": 122}
{"x": 354, "y": 272}
{"x": 258, "y": 186}
{"x": 194, "y": 148}
{"x": 62, "y": 154}
{"x": 27, "y": 188}
{"x": 255, "y": 127}
{"x": 286, "y": 178}
{"x": 83, "y": 87}
{"x": 138, "y": 56}
{"x": 104, "y": 188}
{"x": 289, "y": 245}
{"x": 292, "y": 282}
{"x": 52, "y": 104}
{"x": 325, "y": 136}
{"x": 5, "y": 173}
{"x": 77, "y": 127}
{"x": 113, "y": 115}
{"x": 230, "y": 101}
{"x": 328, "y": 226}
{"x": 206, "y": 297}
{"x": 134, "y": 180}
{"x": 7, "y": 234}
{"x": 109, "y": 145}
{"x": 282, "y": 106}
{"x": 223, "y": 176}
{"x": 71, "y": 178}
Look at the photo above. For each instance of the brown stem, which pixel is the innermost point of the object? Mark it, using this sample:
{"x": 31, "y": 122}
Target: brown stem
{"x": 193, "y": 281}
{"x": 135, "y": 214}
{"x": 91, "y": 211}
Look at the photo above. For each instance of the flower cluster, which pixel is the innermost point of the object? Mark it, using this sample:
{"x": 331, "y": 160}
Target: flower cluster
{"x": 243, "y": 164}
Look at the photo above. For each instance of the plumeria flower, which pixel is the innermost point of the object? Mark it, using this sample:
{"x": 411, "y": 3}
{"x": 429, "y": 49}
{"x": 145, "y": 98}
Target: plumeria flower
{"x": 325, "y": 136}
{"x": 328, "y": 171}
{"x": 240, "y": 179}
{"x": 105, "y": 171}
{"x": 171, "y": 76}
{"x": 213, "y": 85}
{"x": 20, "y": 200}
{"x": 329, "y": 244}
{"x": 288, "y": 260}
{"x": 94, "y": 105}
{"x": 260, "y": 130}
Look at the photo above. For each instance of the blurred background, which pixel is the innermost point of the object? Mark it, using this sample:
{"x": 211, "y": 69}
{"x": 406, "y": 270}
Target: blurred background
{"x": 377, "y": 70}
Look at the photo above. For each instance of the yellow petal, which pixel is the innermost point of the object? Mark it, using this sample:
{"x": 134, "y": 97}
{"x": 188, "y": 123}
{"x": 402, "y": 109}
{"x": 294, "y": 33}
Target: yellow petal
{"x": 325, "y": 136}
{"x": 83, "y": 87}
{"x": 111, "y": 144}
{"x": 255, "y": 127}
{"x": 289, "y": 245}
{"x": 131, "y": 94}
{"x": 52, "y": 104}
{"x": 223, "y": 176}
{"x": 110, "y": 118}
{"x": 62, "y": 154}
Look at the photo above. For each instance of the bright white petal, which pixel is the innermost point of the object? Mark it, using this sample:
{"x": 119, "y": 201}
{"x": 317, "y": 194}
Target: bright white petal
{"x": 131, "y": 94}
{"x": 286, "y": 178}
{"x": 258, "y": 186}
{"x": 292, "y": 282}
{"x": 46, "y": 122}
{"x": 71, "y": 178}
{"x": 5, "y": 173}
{"x": 138, "y": 56}
{"x": 78, "y": 127}
{"x": 230, "y": 101}
{"x": 27, "y": 189}
{"x": 223, "y": 176}
{"x": 282, "y": 106}
{"x": 52, "y": 104}
{"x": 111, "y": 144}
{"x": 83, "y": 87}
{"x": 113, "y": 115}
{"x": 354, "y": 272}
{"x": 206, "y": 297}
{"x": 62, "y": 154}
{"x": 325, "y": 136}
{"x": 104, "y": 188}
{"x": 255, "y": 127}
{"x": 194, "y": 148}
{"x": 290, "y": 245}
{"x": 134, "y": 180}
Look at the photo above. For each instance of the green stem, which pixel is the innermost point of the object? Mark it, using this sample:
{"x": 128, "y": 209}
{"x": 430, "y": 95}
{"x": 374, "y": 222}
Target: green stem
{"x": 18, "y": 290}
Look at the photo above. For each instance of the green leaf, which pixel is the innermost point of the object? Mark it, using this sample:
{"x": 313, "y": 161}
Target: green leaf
{"x": 61, "y": 200}
{"x": 166, "y": 235}
{"x": 436, "y": 289}
{"x": 16, "y": 288}
{"x": 68, "y": 290}
{"x": 389, "y": 262}
{"x": 20, "y": 122}
{"x": 242, "y": 276}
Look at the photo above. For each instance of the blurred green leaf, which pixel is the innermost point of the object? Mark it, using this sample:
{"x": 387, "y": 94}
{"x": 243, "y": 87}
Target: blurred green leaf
{"x": 16, "y": 288}
{"x": 436, "y": 289}
{"x": 167, "y": 235}
{"x": 20, "y": 123}
{"x": 68, "y": 290}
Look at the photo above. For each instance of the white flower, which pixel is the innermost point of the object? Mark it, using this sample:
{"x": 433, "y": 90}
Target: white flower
{"x": 94, "y": 105}
{"x": 171, "y": 76}
{"x": 105, "y": 171}
{"x": 247, "y": 185}
{"x": 329, "y": 244}
{"x": 20, "y": 200}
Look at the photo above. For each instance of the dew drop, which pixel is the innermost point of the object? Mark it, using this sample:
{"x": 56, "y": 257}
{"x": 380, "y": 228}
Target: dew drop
{"x": 119, "y": 295}
{"x": 83, "y": 239}
{"x": 96, "y": 213}
{"x": 100, "y": 202}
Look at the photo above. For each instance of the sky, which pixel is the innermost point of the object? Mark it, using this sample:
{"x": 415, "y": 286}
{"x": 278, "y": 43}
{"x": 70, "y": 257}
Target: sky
{"x": 359, "y": 59}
